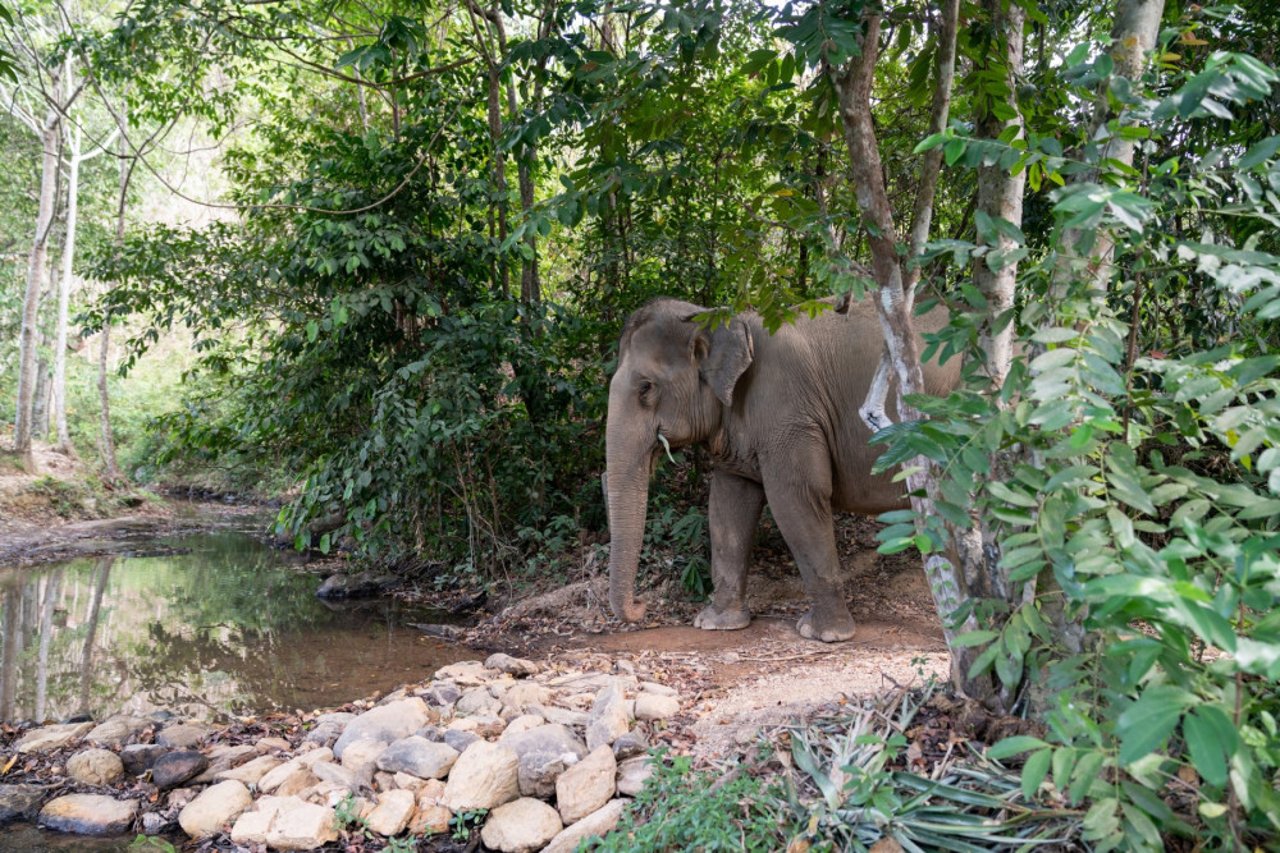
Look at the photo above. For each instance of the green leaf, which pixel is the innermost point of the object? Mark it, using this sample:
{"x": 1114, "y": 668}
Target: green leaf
{"x": 1147, "y": 723}
{"x": 1034, "y": 771}
{"x": 1014, "y": 745}
{"x": 1209, "y": 753}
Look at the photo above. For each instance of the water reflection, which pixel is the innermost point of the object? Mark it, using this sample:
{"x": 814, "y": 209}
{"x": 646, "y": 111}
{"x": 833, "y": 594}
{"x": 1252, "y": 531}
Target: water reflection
{"x": 226, "y": 626}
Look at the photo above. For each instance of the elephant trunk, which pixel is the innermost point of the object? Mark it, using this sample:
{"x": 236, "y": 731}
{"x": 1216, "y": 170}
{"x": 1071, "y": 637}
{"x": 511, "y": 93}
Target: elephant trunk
{"x": 627, "y": 487}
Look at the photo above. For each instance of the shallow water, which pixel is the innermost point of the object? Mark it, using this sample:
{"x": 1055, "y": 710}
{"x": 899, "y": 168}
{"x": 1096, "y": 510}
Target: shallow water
{"x": 217, "y": 622}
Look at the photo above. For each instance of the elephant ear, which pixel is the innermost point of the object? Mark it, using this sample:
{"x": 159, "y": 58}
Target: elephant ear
{"x": 724, "y": 355}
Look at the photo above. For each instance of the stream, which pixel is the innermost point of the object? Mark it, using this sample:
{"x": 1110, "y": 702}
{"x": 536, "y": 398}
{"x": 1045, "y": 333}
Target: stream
{"x": 199, "y": 624}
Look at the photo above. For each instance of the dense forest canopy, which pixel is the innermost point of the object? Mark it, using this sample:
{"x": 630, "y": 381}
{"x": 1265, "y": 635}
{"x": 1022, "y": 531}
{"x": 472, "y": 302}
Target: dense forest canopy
{"x": 421, "y": 226}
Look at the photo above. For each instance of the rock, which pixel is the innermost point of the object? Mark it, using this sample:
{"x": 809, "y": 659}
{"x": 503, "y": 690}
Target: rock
{"x": 632, "y": 774}
{"x": 477, "y": 700}
{"x": 631, "y": 744}
{"x": 361, "y": 758}
{"x": 484, "y": 777}
{"x": 88, "y": 814}
{"x": 286, "y": 823}
{"x": 337, "y": 774}
{"x": 328, "y": 728}
{"x": 355, "y": 586}
{"x": 487, "y": 725}
{"x": 526, "y": 696}
{"x": 95, "y": 767}
{"x": 269, "y": 745}
{"x": 385, "y": 723}
{"x": 651, "y": 706}
{"x": 587, "y": 785}
{"x": 511, "y": 666}
{"x": 384, "y": 781}
{"x": 418, "y": 757}
{"x": 432, "y": 817}
{"x": 408, "y": 782}
{"x": 459, "y": 739}
{"x": 462, "y": 724}
{"x": 544, "y": 752}
{"x": 599, "y": 822}
{"x": 625, "y": 667}
{"x": 442, "y": 694}
{"x": 300, "y": 780}
{"x": 117, "y": 731}
{"x": 293, "y": 771}
{"x": 608, "y": 718}
{"x": 466, "y": 673}
{"x": 392, "y": 813}
{"x": 251, "y": 772}
{"x": 173, "y": 769}
{"x": 138, "y": 758}
{"x": 183, "y": 735}
{"x": 432, "y": 733}
{"x": 520, "y": 725}
{"x": 154, "y": 823}
{"x": 561, "y": 716}
{"x": 655, "y": 687}
{"x": 521, "y": 826}
{"x": 49, "y": 738}
{"x": 223, "y": 758}
{"x": 215, "y": 806}
{"x": 20, "y": 802}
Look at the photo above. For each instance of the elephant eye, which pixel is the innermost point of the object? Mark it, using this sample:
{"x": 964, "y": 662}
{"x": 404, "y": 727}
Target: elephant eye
{"x": 645, "y": 387}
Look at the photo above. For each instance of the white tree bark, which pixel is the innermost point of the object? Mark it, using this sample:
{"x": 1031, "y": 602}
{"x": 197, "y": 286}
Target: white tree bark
{"x": 64, "y": 295}
{"x": 35, "y": 278}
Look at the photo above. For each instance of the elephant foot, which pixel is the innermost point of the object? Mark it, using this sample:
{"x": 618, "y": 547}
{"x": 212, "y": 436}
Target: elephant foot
{"x": 713, "y": 619}
{"x": 828, "y": 629}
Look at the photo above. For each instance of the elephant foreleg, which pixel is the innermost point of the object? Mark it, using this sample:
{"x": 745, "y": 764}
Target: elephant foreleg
{"x": 735, "y": 514}
{"x": 799, "y": 490}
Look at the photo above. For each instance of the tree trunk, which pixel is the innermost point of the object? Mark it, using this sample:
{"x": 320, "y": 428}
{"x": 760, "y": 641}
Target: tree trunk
{"x": 64, "y": 299}
{"x": 107, "y": 444}
{"x": 52, "y": 588}
{"x": 35, "y": 278}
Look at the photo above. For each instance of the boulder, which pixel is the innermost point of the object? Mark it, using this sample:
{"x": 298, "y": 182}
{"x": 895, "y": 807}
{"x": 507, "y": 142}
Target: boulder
{"x": 659, "y": 689}
{"x": 216, "y": 806}
{"x": 251, "y": 772}
{"x": 587, "y": 785}
{"x": 545, "y": 752}
{"x": 361, "y": 757}
{"x": 484, "y": 777}
{"x": 88, "y": 814}
{"x": 632, "y": 774}
{"x": 550, "y": 737}
{"x": 21, "y": 802}
{"x": 652, "y": 706}
{"x": 599, "y": 822}
{"x": 520, "y": 725}
{"x": 392, "y": 813}
{"x": 174, "y": 768}
{"x": 518, "y": 667}
{"x": 338, "y": 775}
{"x": 49, "y": 738}
{"x": 418, "y": 757}
{"x": 184, "y": 735}
{"x": 521, "y": 826}
{"x": 117, "y": 731}
{"x": 95, "y": 767}
{"x": 385, "y": 724}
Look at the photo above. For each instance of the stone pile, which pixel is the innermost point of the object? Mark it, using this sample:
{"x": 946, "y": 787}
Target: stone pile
{"x": 550, "y": 758}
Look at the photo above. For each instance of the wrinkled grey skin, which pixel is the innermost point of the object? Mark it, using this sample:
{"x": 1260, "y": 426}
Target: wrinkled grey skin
{"x": 779, "y": 415}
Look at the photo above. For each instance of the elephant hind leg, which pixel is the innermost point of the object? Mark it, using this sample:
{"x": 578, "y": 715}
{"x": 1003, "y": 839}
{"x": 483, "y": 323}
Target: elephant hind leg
{"x": 734, "y": 515}
{"x": 800, "y": 499}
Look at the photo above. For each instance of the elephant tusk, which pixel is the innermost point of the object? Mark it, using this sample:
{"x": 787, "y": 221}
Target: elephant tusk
{"x": 667, "y": 447}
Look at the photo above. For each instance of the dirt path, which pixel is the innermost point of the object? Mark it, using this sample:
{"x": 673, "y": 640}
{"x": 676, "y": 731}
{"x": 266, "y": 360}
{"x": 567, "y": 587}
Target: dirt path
{"x": 766, "y": 674}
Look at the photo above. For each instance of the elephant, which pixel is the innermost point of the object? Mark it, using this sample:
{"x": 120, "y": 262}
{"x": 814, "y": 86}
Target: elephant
{"x": 778, "y": 414}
